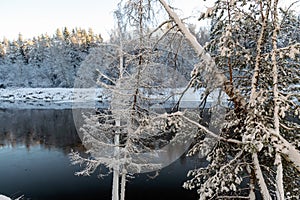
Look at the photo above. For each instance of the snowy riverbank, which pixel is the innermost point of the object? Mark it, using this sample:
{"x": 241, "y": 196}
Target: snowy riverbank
{"x": 66, "y": 98}
{"x": 48, "y": 98}
{"x": 2, "y": 197}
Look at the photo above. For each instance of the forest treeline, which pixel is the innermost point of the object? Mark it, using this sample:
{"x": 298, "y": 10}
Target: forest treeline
{"x": 54, "y": 61}
{"x": 45, "y": 61}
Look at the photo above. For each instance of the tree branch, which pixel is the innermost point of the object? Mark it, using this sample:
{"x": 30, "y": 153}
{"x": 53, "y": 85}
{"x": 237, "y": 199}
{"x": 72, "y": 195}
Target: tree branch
{"x": 218, "y": 78}
{"x": 278, "y": 162}
{"x": 261, "y": 182}
{"x": 260, "y": 41}
{"x": 287, "y": 149}
{"x": 210, "y": 132}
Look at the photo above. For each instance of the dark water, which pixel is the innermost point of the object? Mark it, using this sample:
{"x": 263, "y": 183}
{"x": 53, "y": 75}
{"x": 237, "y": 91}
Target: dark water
{"x": 34, "y": 147}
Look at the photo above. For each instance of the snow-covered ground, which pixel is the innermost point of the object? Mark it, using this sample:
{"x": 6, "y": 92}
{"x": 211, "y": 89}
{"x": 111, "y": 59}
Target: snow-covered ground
{"x": 63, "y": 98}
{"x": 47, "y": 98}
{"x": 2, "y": 197}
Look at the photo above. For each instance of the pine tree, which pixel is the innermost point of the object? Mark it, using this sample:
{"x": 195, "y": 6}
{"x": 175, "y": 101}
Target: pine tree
{"x": 58, "y": 35}
{"x": 67, "y": 35}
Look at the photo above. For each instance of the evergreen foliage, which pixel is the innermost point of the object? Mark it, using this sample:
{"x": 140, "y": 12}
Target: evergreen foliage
{"x": 45, "y": 61}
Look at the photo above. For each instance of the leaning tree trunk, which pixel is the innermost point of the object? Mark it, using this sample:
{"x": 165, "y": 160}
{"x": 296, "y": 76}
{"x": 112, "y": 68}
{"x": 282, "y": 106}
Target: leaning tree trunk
{"x": 289, "y": 152}
{"x": 278, "y": 160}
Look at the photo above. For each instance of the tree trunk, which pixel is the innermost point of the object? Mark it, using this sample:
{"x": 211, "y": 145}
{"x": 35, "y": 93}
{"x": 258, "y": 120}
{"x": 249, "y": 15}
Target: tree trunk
{"x": 259, "y": 176}
{"x": 115, "y": 185}
{"x": 287, "y": 149}
{"x": 123, "y": 184}
{"x": 218, "y": 78}
{"x": 278, "y": 160}
{"x": 116, "y": 173}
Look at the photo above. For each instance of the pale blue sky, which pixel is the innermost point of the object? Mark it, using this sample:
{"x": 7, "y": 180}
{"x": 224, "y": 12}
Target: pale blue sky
{"x": 35, "y": 17}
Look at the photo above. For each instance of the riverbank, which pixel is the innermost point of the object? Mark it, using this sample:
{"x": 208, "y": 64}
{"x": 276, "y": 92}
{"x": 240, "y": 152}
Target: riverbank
{"x": 66, "y": 98}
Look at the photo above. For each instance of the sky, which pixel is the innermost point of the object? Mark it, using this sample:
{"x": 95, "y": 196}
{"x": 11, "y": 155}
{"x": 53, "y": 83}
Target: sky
{"x": 35, "y": 17}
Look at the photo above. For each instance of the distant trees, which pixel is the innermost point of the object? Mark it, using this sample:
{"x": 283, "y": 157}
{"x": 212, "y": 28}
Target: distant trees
{"x": 45, "y": 61}
{"x": 53, "y": 61}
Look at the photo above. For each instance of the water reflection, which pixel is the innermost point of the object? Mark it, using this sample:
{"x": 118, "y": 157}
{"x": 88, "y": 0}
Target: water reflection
{"x": 33, "y": 161}
{"x": 46, "y": 128}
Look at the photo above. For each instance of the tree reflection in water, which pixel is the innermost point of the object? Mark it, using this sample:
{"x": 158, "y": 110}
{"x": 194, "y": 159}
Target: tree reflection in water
{"x": 48, "y": 128}
{"x": 34, "y": 148}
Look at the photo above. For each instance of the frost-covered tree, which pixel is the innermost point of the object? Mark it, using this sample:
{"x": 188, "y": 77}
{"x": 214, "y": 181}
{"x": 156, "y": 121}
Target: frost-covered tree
{"x": 289, "y": 27}
{"x": 113, "y": 136}
{"x": 44, "y": 61}
{"x": 258, "y": 147}
{"x": 130, "y": 136}
{"x": 2, "y": 53}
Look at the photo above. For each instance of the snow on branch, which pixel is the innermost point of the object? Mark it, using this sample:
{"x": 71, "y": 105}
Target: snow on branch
{"x": 217, "y": 78}
{"x": 210, "y": 132}
{"x": 278, "y": 162}
{"x": 290, "y": 152}
{"x": 258, "y": 55}
{"x": 261, "y": 182}
{"x": 265, "y": 96}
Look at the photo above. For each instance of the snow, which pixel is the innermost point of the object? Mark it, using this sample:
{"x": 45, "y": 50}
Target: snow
{"x": 49, "y": 98}
{"x": 66, "y": 98}
{"x": 2, "y": 197}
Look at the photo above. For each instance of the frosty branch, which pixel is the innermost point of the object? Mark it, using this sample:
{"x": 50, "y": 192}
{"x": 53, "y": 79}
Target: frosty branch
{"x": 261, "y": 118}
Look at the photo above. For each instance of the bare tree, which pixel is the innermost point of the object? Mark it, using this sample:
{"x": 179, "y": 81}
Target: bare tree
{"x": 130, "y": 136}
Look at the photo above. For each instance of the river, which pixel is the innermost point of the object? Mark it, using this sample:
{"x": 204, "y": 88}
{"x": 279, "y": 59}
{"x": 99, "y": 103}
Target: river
{"x": 34, "y": 162}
